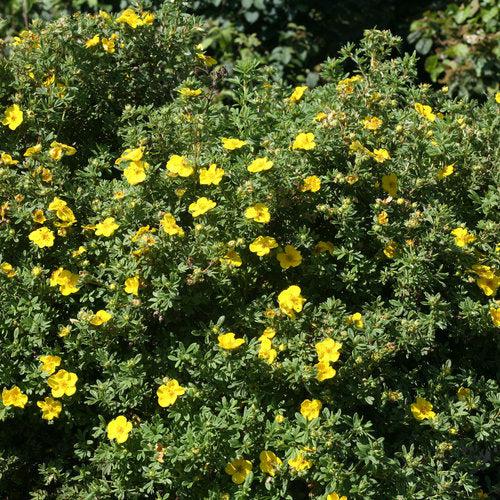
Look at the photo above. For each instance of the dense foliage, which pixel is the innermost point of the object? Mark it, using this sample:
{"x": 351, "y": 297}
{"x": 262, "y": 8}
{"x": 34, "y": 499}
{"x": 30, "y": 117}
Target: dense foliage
{"x": 463, "y": 43}
{"x": 215, "y": 286}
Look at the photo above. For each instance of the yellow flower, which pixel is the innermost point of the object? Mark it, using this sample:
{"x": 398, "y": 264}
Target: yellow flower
{"x": 422, "y": 409}
{"x": 231, "y": 144}
{"x": 119, "y": 429}
{"x": 148, "y": 18}
{"x": 259, "y": 165}
{"x": 328, "y": 350}
{"x": 298, "y": 93}
{"x": 232, "y": 258}
{"x": 107, "y": 227}
{"x": 488, "y": 279}
{"x": 179, "y": 165}
{"x": 229, "y": 342}
{"x": 304, "y": 141}
{"x": 383, "y": 218}
{"x": 135, "y": 173}
{"x": 380, "y": 155}
{"x": 324, "y": 246}
{"x": 212, "y": 175}
{"x": 291, "y": 257}
{"x": 320, "y": 116}
{"x": 100, "y": 317}
{"x": 49, "y": 363}
{"x": 92, "y": 42}
{"x": 266, "y": 350}
{"x": 201, "y": 206}
{"x": 8, "y": 269}
{"x": 299, "y": 462}
{"x": 62, "y": 383}
{"x": 425, "y": 111}
{"x": 335, "y": 496}
{"x": 108, "y": 44}
{"x": 187, "y": 92}
{"x": 42, "y": 237}
{"x": 79, "y": 251}
{"x": 259, "y": 213}
{"x": 269, "y": 462}
{"x": 66, "y": 281}
{"x": 446, "y": 171}
{"x": 290, "y": 301}
{"x": 132, "y": 285}
{"x": 58, "y": 150}
{"x": 372, "y": 123}
{"x": 51, "y": 408}
{"x": 38, "y": 216}
{"x": 13, "y": 117}
{"x": 310, "y": 408}
{"x": 6, "y": 159}
{"x": 268, "y": 333}
{"x": 64, "y": 331}
{"x": 170, "y": 226}
{"x": 169, "y": 392}
{"x": 262, "y": 245}
{"x": 130, "y": 155}
{"x": 33, "y": 150}
{"x": 390, "y": 184}
{"x": 63, "y": 212}
{"x": 14, "y": 397}
{"x": 324, "y": 371}
{"x": 311, "y": 183}
{"x": 390, "y": 249}
{"x": 128, "y": 16}
{"x": 462, "y": 237}
{"x": 356, "y": 319}
{"x": 463, "y": 393}
{"x": 495, "y": 315}
{"x": 238, "y": 469}
{"x": 346, "y": 86}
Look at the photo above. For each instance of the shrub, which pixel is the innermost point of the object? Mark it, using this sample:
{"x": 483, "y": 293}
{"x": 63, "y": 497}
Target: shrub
{"x": 254, "y": 293}
{"x": 463, "y": 43}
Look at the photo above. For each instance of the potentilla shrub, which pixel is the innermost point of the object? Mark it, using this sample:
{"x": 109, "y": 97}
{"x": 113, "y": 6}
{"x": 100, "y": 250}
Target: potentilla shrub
{"x": 232, "y": 289}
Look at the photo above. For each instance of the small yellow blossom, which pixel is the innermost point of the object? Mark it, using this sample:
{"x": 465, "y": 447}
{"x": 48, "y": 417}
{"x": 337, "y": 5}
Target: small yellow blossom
{"x": 425, "y": 111}
{"x": 463, "y": 393}
{"x": 92, "y": 42}
{"x": 335, "y": 496}
{"x": 135, "y": 154}
{"x": 170, "y": 226}
{"x": 266, "y": 350}
{"x": 304, "y": 141}
{"x": 390, "y": 249}
{"x": 232, "y": 258}
{"x": 383, "y": 218}
{"x": 262, "y": 245}
{"x": 42, "y": 237}
{"x": 8, "y": 269}
{"x": 238, "y": 469}
{"x": 291, "y": 301}
{"x": 297, "y": 93}
{"x": 291, "y": 257}
{"x": 495, "y": 315}
{"x": 201, "y": 206}
{"x": 33, "y": 150}
{"x": 462, "y": 237}
{"x": 119, "y": 429}
{"x": 58, "y": 150}
{"x": 269, "y": 462}
{"x": 6, "y": 159}
{"x": 179, "y": 165}
{"x": 14, "y": 397}
{"x": 260, "y": 165}
{"x": 422, "y": 409}
{"x": 188, "y": 92}
{"x": 311, "y": 183}
{"x": 49, "y": 363}
{"x": 135, "y": 172}
{"x": 51, "y": 408}
{"x": 258, "y": 213}
{"x": 346, "y": 86}
{"x": 324, "y": 371}
{"x": 62, "y": 383}
{"x": 390, "y": 184}
{"x": 319, "y": 117}
{"x": 66, "y": 281}
{"x": 328, "y": 350}
{"x": 231, "y": 144}
{"x": 13, "y": 117}
{"x": 132, "y": 285}
{"x": 268, "y": 333}
{"x": 324, "y": 246}
{"x": 356, "y": 319}
{"x": 446, "y": 171}
{"x": 107, "y": 227}
{"x": 299, "y": 462}
{"x": 381, "y": 155}
{"x": 64, "y": 331}
{"x": 372, "y": 123}
{"x": 212, "y": 175}
{"x": 100, "y": 317}
{"x": 229, "y": 342}
{"x": 169, "y": 392}
{"x": 128, "y": 16}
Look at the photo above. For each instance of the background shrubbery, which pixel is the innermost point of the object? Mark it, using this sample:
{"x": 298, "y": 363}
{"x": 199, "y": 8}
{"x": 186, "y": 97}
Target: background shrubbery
{"x": 393, "y": 209}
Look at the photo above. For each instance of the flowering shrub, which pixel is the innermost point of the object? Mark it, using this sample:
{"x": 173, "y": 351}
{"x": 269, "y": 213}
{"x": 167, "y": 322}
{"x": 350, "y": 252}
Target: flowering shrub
{"x": 278, "y": 293}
